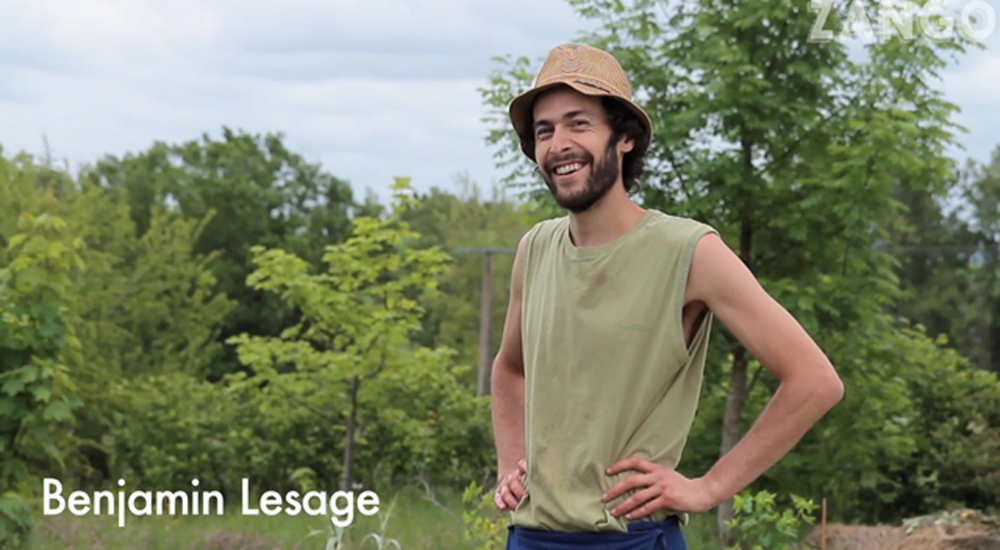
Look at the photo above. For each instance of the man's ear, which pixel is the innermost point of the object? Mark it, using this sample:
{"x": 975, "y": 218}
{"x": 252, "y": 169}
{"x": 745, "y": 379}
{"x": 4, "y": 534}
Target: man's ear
{"x": 626, "y": 144}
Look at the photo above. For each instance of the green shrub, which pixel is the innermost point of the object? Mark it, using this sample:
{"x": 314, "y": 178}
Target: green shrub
{"x": 758, "y": 525}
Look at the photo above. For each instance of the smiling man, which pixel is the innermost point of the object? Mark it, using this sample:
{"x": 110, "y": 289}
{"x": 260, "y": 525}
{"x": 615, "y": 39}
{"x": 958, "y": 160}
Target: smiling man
{"x": 598, "y": 376}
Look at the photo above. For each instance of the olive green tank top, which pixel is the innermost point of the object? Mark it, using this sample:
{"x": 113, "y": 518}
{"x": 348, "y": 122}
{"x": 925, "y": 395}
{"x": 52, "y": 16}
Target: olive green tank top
{"x": 607, "y": 371}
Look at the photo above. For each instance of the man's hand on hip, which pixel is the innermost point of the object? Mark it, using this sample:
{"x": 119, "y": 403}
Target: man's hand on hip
{"x": 658, "y": 487}
{"x": 509, "y": 487}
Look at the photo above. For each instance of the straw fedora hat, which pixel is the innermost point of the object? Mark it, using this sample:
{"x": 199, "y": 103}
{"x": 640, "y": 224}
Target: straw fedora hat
{"x": 584, "y": 68}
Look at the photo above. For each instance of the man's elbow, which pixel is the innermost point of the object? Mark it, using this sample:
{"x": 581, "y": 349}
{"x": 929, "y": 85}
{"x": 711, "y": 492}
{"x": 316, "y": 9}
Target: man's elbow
{"x": 829, "y": 388}
{"x": 820, "y": 387}
{"x": 505, "y": 369}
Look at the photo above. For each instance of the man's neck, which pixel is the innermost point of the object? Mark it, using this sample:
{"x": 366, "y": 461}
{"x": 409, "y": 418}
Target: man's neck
{"x": 611, "y": 217}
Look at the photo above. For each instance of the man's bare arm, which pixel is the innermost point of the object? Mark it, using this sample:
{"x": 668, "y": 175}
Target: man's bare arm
{"x": 507, "y": 395}
{"x": 809, "y": 385}
{"x": 809, "y": 388}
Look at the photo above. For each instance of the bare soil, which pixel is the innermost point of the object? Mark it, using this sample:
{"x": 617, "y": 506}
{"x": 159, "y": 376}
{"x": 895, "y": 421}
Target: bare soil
{"x": 952, "y": 530}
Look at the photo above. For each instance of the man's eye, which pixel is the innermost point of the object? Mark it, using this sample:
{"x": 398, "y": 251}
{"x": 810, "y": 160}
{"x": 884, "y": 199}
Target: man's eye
{"x": 543, "y": 132}
{"x": 580, "y": 123}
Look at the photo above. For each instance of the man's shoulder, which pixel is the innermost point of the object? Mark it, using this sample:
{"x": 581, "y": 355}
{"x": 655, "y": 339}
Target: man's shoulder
{"x": 679, "y": 230}
{"x": 545, "y": 230}
{"x": 549, "y": 223}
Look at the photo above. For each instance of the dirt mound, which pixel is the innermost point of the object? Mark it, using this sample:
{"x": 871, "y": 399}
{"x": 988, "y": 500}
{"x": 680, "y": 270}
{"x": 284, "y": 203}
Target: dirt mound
{"x": 951, "y": 530}
{"x": 950, "y": 538}
{"x": 854, "y": 537}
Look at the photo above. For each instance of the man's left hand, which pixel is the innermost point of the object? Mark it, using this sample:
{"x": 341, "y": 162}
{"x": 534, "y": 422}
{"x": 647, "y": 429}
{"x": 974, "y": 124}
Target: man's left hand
{"x": 662, "y": 487}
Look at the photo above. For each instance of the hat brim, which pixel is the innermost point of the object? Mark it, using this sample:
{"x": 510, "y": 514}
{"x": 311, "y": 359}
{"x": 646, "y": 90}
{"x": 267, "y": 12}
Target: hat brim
{"x": 521, "y": 116}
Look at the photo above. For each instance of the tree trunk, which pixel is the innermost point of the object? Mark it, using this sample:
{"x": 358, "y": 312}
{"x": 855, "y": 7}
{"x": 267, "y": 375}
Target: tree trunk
{"x": 991, "y": 267}
{"x": 349, "y": 444}
{"x": 731, "y": 432}
{"x": 737, "y": 395}
{"x": 985, "y": 361}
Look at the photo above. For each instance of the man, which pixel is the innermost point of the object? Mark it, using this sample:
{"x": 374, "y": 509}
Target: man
{"x": 597, "y": 379}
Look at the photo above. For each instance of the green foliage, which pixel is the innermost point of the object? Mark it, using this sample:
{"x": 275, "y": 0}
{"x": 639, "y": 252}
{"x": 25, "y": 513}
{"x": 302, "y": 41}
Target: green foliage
{"x": 485, "y": 527}
{"x": 174, "y": 428}
{"x": 250, "y": 191}
{"x": 460, "y": 224}
{"x": 759, "y": 526}
{"x": 350, "y": 355}
{"x": 949, "y": 250}
{"x": 15, "y": 521}
{"x": 38, "y": 347}
{"x": 379, "y": 539}
{"x": 957, "y": 454}
{"x": 914, "y": 433}
{"x": 151, "y": 302}
{"x": 147, "y": 301}
{"x": 513, "y": 76}
{"x": 143, "y": 304}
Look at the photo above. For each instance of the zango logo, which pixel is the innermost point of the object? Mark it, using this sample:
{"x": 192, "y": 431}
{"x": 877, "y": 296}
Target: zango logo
{"x": 976, "y": 21}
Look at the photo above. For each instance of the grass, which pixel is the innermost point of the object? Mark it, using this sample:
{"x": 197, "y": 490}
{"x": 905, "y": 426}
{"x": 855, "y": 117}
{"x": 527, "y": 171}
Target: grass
{"x": 414, "y": 522}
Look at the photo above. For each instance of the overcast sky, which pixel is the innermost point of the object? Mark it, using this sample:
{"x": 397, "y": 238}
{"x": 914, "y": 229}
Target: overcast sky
{"x": 369, "y": 88}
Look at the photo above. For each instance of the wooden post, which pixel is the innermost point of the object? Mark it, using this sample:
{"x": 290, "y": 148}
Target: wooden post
{"x": 485, "y": 327}
{"x": 823, "y": 528}
{"x": 485, "y": 366}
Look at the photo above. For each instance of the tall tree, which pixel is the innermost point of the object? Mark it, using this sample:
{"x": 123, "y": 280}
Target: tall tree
{"x": 357, "y": 316}
{"x": 947, "y": 249}
{"x": 145, "y": 304}
{"x": 253, "y": 191}
{"x": 981, "y": 191}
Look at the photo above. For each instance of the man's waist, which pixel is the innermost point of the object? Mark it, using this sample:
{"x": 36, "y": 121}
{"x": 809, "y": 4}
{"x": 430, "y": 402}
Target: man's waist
{"x": 576, "y": 513}
{"x": 639, "y": 535}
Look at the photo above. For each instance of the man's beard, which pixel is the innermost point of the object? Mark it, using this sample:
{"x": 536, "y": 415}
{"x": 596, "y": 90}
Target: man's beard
{"x": 602, "y": 178}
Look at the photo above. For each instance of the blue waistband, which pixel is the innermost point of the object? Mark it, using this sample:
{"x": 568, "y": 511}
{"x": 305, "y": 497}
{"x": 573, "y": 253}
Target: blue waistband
{"x": 642, "y": 535}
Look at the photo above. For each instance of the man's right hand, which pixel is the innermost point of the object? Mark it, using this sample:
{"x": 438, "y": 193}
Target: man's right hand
{"x": 509, "y": 488}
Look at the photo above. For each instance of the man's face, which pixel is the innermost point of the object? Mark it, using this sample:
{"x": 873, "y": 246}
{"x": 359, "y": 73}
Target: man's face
{"x": 573, "y": 148}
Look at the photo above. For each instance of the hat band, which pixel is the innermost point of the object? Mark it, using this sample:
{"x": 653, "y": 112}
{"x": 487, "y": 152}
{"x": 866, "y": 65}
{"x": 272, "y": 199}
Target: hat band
{"x": 581, "y": 79}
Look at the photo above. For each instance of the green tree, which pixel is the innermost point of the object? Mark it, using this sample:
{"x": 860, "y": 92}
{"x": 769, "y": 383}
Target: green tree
{"x": 145, "y": 304}
{"x": 980, "y": 189}
{"x": 152, "y": 302}
{"x": 176, "y": 427}
{"x": 149, "y": 305}
{"x": 948, "y": 246}
{"x": 352, "y": 343}
{"x": 38, "y": 348}
{"x": 252, "y": 191}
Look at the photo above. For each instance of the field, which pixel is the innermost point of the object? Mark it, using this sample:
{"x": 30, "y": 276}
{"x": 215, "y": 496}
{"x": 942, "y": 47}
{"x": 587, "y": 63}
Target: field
{"x": 415, "y": 523}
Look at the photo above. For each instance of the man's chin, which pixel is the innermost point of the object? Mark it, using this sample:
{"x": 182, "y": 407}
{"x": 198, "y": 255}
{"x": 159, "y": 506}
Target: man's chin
{"x": 575, "y": 202}
{"x": 576, "y": 185}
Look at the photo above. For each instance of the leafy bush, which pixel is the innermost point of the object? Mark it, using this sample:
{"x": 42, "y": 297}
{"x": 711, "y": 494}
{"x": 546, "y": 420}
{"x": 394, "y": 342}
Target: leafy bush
{"x": 759, "y": 526}
{"x": 37, "y": 347}
{"x": 485, "y": 526}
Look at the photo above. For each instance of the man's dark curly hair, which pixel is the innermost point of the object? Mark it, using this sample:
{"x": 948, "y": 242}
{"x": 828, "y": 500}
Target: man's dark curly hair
{"x": 624, "y": 123}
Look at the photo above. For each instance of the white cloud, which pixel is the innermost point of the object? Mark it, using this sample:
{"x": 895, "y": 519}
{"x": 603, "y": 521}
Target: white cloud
{"x": 371, "y": 88}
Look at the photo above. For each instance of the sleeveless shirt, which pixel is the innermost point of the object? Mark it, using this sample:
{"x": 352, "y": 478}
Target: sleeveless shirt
{"x": 608, "y": 373}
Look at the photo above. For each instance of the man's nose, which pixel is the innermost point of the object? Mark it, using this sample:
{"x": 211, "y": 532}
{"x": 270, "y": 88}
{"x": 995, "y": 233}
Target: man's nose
{"x": 560, "y": 142}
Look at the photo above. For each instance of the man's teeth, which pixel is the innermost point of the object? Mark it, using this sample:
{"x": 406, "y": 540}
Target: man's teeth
{"x": 563, "y": 170}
